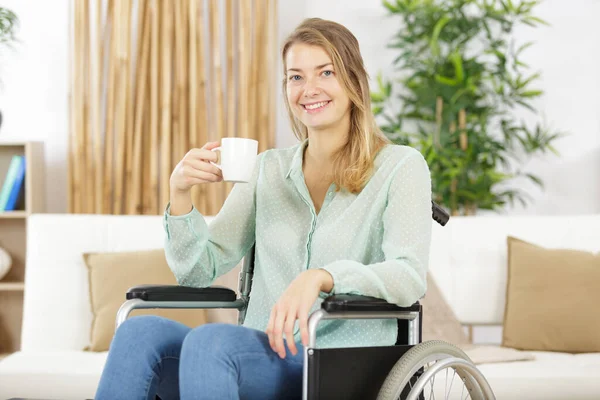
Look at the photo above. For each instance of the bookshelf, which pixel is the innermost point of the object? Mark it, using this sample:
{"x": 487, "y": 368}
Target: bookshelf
{"x": 13, "y": 237}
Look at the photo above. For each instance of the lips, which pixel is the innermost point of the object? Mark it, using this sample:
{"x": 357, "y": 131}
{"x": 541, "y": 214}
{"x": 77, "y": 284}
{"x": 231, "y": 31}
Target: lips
{"x": 316, "y": 106}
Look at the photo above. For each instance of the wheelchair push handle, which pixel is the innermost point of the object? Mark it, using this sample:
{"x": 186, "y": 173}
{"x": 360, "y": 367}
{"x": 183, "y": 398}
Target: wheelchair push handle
{"x": 439, "y": 214}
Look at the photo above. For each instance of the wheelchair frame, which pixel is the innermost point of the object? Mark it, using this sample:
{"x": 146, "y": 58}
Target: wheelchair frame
{"x": 333, "y": 307}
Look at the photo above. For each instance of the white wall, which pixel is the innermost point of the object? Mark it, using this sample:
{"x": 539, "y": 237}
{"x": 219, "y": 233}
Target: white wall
{"x": 34, "y": 99}
{"x": 568, "y": 55}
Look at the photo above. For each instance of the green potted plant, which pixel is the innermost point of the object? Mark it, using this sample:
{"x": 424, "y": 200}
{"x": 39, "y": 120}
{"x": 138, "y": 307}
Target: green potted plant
{"x": 461, "y": 79}
{"x": 8, "y": 26}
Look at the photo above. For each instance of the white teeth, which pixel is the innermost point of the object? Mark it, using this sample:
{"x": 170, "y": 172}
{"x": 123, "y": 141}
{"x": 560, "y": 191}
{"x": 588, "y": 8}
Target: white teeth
{"x": 315, "y": 106}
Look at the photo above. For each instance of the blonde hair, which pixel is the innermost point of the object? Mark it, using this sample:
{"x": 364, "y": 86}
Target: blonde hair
{"x": 353, "y": 163}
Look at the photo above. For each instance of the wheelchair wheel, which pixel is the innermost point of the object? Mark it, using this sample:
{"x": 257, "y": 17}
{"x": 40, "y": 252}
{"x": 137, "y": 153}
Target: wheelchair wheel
{"x": 415, "y": 373}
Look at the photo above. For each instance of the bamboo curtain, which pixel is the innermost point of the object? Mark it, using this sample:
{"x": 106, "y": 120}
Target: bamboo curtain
{"x": 151, "y": 79}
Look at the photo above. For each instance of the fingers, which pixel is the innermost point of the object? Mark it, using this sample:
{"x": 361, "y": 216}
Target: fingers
{"x": 201, "y": 176}
{"x": 269, "y": 330}
{"x": 192, "y": 176}
{"x": 289, "y": 331}
{"x": 192, "y": 164}
{"x": 275, "y": 329}
{"x": 196, "y": 168}
{"x": 211, "y": 145}
{"x": 303, "y": 324}
{"x": 278, "y": 332}
{"x": 204, "y": 154}
{"x": 281, "y": 323}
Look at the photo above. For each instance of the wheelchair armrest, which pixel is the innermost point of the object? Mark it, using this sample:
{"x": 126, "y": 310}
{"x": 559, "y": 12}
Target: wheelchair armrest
{"x": 350, "y": 302}
{"x": 180, "y": 293}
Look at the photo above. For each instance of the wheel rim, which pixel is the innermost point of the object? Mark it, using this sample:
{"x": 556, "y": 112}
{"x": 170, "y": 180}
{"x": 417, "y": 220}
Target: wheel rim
{"x": 447, "y": 378}
{"x": 419, "y": 371}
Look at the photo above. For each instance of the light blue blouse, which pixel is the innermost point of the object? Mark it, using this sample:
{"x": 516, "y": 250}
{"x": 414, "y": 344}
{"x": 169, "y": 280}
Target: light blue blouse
{"x": 375, "y": 243}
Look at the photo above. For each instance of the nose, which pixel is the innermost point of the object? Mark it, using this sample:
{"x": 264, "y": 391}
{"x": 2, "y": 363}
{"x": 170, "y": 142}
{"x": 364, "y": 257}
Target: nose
{"x": 311, "y": 88}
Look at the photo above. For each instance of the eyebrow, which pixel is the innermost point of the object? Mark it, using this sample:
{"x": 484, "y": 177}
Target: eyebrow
{"x": 317, "y": 67}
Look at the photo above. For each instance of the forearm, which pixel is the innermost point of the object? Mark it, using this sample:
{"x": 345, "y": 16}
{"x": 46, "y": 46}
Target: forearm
{"x": 399, "y": 282}
{"x": 197, "y": 253}
{"x": 186, "y": 249}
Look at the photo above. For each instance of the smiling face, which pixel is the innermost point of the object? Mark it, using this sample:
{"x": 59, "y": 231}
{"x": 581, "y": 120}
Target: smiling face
{"x": 314, "y": 93}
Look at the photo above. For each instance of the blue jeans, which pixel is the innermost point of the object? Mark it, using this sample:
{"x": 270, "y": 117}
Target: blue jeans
{"x": 151, "y": 356}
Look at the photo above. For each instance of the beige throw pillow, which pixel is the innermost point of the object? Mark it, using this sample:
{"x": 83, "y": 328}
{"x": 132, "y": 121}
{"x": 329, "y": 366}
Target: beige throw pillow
{"x": 112, "y": 274}
{"x": 439, "y": 321}
{"x": 551, "y": 299}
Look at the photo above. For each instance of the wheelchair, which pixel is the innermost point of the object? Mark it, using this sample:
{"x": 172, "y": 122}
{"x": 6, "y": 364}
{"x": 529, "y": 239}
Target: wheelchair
{"x": 406, "y": 370}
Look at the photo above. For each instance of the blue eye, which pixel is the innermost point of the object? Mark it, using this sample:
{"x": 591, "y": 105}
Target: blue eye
{"x": 327, "y": 73}
{"x": 293, "y": 77}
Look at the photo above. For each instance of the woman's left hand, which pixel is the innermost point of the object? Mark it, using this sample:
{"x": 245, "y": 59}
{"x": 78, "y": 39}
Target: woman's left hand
{"x": 295, "y": 303}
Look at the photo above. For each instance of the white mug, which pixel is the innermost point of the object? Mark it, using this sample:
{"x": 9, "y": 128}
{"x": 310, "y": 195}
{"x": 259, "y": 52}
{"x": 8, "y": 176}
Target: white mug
{"x": 238, "y": 156}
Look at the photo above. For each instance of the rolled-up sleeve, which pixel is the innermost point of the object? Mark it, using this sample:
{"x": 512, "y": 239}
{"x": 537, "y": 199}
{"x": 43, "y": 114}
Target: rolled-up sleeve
{"x": 197, "y": 253}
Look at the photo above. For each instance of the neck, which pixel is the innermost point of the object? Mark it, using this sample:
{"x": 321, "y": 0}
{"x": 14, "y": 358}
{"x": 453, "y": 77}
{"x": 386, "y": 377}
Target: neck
{"x": 324, "y": 143}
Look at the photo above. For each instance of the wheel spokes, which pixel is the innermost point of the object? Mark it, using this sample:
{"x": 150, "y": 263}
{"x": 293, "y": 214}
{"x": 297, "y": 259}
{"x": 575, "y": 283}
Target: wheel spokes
{"x": 446, "y": 388}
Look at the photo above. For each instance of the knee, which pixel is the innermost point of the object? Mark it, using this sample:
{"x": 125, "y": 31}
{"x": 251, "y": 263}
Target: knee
{"x": 214, "y": 338}
{"x": 134, "y": 326}
{"x": 141, "y": 330}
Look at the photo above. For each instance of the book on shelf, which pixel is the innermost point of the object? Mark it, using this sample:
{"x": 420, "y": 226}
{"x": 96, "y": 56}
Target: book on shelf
{"x": 13, "y": 187}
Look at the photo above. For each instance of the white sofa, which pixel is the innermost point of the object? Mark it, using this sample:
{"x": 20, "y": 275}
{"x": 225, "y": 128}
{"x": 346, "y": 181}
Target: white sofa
{"x": 468, "y": 262}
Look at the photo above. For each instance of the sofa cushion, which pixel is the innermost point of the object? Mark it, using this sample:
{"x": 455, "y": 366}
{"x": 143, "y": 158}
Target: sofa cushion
{"x": 111, "y": 274}
{"x": 74, "y": 375}
{"x": 65, "y": 375}
{"x": 549, "y": 298}
{"x": 487, "y": 354}
{"x": 552, "y": 376}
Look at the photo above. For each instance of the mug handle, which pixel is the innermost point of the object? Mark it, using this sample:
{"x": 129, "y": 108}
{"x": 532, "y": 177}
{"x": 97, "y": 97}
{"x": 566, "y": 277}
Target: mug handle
{"x": 215, "y": 164}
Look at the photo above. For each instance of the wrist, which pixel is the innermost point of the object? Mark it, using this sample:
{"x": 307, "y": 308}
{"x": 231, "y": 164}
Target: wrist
{"x": 326, "y": 280}
{"x": 179, "y": 193}
{"x": 181, "y": 203}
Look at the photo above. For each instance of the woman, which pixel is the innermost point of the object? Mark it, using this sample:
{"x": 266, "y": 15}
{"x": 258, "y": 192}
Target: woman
{"x": 344, "y": 211}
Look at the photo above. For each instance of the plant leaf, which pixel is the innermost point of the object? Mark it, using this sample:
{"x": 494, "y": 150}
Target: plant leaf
{"x": 433, "y": 42}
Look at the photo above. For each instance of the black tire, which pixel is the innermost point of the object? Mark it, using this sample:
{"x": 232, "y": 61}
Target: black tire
{"x": 416, "y": 358}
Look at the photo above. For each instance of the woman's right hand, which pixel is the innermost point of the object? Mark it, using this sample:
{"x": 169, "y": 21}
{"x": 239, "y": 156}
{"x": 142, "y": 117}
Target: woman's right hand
{"x": 195, "y": 168}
